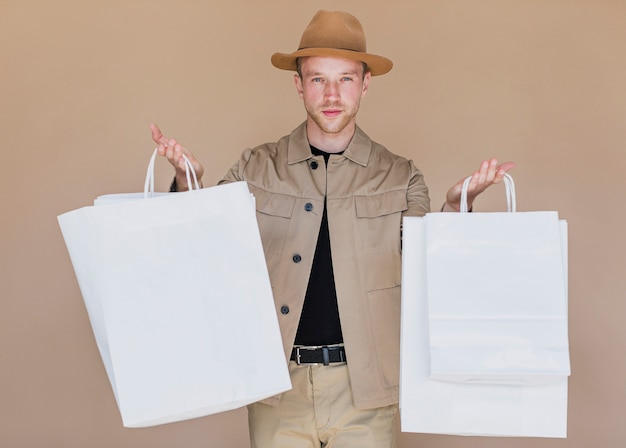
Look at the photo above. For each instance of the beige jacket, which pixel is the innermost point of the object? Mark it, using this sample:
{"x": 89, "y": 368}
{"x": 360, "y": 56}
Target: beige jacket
{"x": 368, "y": 191}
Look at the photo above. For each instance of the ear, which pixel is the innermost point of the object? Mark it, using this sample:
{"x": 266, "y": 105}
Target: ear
{"x": 366, "y": 83}
{"x": 298, "y": 82}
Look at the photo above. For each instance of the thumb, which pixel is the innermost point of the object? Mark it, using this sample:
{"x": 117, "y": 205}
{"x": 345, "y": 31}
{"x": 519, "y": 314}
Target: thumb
{"x": 157, "y": 135}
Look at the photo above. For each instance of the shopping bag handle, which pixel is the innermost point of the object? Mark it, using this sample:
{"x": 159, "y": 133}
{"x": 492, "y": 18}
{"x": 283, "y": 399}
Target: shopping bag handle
{"x": 509, "y": 186}
{"x": 148, "y": 188}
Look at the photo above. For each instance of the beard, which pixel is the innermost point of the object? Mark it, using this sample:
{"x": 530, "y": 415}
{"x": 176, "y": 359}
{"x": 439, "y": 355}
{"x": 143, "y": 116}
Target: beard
{"x": 336, "y": 124}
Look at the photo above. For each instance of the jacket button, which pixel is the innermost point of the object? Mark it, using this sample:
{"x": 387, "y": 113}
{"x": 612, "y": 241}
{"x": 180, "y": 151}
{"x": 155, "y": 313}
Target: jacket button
{"x": 314, "y": 165}
{"x": 308, "y": 206}
{"x": 296, "y": 258}
{"x": 284, "y": 309}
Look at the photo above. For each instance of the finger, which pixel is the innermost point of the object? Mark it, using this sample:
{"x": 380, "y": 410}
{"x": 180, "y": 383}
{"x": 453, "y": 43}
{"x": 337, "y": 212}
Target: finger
{"x": 169, "y": 149}
{"x": 178, "y": 156}
{"x": 483, "y": 172}
{"x": 174, "y": 154}
{"x": 474, "y": 181}
{"x": 506, "y": 166}
{"x": 157, "y": 135}
{"x": 492, "y": 170}
{"x": 162, "y": 142}
{"x": 503, "y": 168}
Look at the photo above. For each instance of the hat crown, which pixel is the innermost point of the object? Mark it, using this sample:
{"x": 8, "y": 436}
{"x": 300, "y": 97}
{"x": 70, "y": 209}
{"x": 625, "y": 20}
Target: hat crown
{"x": 333, "y": 34}
{"x": 334, "y": 29}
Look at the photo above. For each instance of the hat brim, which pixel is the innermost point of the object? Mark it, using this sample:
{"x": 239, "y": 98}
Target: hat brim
{"x": 378, "y": 65}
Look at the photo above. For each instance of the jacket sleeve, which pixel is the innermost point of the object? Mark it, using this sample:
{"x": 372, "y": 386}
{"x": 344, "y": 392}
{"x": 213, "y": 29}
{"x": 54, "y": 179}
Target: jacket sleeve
{"x": 417, "y": 193}
{"x": 235, "y": 173}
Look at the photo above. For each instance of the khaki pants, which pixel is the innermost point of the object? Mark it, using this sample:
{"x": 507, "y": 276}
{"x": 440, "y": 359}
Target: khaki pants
{"x": 319, "y": 412}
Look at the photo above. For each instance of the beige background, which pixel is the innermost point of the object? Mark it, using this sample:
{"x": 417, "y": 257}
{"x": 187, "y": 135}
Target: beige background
{"x": 541, "y": 82}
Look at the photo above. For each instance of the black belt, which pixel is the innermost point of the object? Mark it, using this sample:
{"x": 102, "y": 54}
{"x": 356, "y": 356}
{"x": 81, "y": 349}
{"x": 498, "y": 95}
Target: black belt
{"x": 318, "y": 355}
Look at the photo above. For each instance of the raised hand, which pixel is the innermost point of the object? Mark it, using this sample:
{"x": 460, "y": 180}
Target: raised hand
{"x": 173, "y": 151}
{"x": 489, "y": 173}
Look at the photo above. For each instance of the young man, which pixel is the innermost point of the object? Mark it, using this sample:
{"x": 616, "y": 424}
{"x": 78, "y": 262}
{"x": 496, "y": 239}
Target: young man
{"x": 329, "y": 205}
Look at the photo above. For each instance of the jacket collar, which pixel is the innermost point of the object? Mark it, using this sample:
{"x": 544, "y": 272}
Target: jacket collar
{"x": 357, "y": 151}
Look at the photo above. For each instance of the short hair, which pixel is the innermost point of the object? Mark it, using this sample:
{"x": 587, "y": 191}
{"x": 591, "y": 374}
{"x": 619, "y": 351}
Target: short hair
{"x": 299, "y": 67}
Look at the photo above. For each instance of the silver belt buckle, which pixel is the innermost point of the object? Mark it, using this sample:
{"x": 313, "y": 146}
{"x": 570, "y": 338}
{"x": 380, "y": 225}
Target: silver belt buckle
{"x": 298, "y": 355}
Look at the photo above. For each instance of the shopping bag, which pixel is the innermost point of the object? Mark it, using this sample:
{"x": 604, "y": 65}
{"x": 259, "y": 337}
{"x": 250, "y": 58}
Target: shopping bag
{"x": 477, "y": 408}
{"x": 178, "y": 295}
{"x": 497, "y": 306}
{"x": 148, "y": 187}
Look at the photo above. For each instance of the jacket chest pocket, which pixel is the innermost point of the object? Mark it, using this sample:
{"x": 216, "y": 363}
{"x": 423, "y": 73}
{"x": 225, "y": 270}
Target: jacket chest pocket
{"x": 274, "y": 213}
{"x": 379, "y": 218}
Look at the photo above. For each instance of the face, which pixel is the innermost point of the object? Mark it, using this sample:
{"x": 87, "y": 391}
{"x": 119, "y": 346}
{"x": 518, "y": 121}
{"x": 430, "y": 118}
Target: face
{"x": 331, "y": 90}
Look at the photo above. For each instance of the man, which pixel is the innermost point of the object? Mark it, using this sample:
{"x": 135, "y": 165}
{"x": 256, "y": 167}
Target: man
{"x": 329, "y": 205}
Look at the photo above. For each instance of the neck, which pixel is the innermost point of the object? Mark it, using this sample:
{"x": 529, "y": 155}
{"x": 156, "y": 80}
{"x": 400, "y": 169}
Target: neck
{"x": 329, "y": 142}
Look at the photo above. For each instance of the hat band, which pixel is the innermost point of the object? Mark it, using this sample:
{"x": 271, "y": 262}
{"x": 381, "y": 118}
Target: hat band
{"x": 334, "y": 48}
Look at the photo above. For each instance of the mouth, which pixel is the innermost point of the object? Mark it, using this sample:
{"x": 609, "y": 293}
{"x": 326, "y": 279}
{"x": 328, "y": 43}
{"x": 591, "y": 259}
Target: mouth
{"x": 331, "y": 113}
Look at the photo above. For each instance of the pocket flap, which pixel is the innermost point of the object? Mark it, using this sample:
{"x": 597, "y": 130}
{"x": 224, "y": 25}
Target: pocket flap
{"x": 272, "y": 203}
{"x": 381, "y": 204}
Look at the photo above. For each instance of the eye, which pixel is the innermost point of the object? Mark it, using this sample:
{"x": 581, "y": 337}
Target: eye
{"x": 316, "y": 79}
{"x": 347, "y": 78}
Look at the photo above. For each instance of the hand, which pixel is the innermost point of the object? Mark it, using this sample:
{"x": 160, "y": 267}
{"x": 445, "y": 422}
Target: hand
{"x": 173, "y": 151}
{"x": 490, "y": 173}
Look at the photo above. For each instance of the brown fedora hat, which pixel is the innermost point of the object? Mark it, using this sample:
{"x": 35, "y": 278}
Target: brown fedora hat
{"x": 336, "y": 34}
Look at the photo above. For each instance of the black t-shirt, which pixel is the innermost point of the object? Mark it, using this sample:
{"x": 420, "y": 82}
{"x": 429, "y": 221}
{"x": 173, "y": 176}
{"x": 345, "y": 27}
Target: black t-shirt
{"x": 319, "y": 322}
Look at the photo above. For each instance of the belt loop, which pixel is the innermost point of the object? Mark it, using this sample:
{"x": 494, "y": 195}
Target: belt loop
{"x": 325, "y": 355}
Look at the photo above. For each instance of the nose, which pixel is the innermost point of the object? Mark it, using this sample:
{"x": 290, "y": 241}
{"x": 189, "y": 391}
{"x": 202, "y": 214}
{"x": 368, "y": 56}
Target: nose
{"x": 331, "y": 91}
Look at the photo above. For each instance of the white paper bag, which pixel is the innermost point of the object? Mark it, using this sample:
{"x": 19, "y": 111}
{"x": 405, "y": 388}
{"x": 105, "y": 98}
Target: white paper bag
{"x": 496, "y": 295}
{"x": 458, "y": 408}
{"x": 180, "y": 302}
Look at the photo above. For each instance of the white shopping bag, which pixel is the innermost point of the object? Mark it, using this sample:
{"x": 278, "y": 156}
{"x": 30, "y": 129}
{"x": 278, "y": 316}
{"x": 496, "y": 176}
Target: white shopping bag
{"x": 496, "y": 295}
{"x": 485, "y": 400}
{"x": 148, "y": 188}
{"x": 180, "y": 302}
